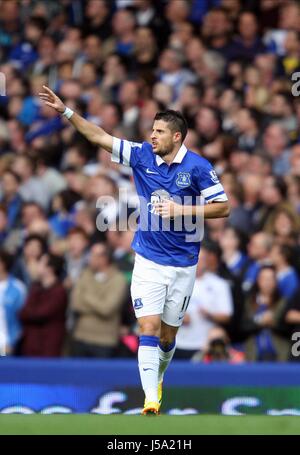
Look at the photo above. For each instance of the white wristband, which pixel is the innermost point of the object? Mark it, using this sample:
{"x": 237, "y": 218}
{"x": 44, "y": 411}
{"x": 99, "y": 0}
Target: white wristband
{"x": 68, "y": 113}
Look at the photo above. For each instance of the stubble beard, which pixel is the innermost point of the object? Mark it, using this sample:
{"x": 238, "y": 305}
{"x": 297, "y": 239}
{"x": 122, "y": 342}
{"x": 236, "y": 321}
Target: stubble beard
{"x": 164, "y": 152}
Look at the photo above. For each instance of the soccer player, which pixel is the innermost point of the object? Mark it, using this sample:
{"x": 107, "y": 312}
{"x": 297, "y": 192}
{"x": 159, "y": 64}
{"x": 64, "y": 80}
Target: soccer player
{"x": 166, "y": 260}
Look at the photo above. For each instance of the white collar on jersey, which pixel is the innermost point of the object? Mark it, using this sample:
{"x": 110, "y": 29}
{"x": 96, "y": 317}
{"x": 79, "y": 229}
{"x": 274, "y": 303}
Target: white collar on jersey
{"x": 178, "y": 158}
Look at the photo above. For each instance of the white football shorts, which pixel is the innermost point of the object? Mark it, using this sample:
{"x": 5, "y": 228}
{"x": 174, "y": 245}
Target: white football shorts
{"x": 161, "y": 290}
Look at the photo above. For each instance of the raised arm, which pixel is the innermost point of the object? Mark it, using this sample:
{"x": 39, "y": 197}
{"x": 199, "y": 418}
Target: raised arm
{"x": 92, "y": 132}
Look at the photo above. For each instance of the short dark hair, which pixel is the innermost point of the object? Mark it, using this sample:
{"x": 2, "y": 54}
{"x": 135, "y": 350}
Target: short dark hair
{"x": 175, "y": 120}
{"x": 32, "y": 203}
{"x": 39, "y": 239}
{"x": 68, "y": 198}
{"x": 108, "y": 251}
{"x": 3, "y": 208}
{"x": 38, "y": 22}
{"x": 276, "y": 294}
{"x": 56, "y": 263}
{"x": 288, "y": 252}
{"x": 6, "y": 259}
{"x": 281, "y": 185}
{"x": 212, "y": 247}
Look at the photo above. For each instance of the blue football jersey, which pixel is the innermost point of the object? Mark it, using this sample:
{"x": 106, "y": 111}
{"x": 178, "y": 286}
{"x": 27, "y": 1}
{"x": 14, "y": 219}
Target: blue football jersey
{"x": 187, "y": 178}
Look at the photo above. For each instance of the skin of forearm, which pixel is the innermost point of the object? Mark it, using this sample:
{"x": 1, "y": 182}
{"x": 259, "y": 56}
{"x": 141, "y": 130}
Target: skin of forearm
{"x": 293, "y": 318}
{"x": 213, "y": 210}
{"x": 89, "y": 130}
{"x": 220, "y": 318}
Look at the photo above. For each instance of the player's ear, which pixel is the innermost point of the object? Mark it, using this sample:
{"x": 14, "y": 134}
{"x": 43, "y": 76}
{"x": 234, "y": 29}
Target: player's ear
{"x": 177, "y": 137}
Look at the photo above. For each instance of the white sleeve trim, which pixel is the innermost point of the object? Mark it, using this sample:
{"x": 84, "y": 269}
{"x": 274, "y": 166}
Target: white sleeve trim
{"x": 212, "y": 190}
{"x": 121, "y": 151}
{"x": 115, "y": 155}
{"x": 219, "y": 198}
{"x": 126, "y": 153}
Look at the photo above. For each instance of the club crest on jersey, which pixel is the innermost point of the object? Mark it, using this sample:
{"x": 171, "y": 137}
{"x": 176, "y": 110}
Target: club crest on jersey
{"x": 138, "y": 304}
{"x": 157, "y": 196}
{"x": 183, "y": 179}
{"x": 214, "y": 176}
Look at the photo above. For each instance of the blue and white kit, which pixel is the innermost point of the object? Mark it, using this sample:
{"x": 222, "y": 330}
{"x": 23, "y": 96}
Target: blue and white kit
{"x": 165, "y": 253}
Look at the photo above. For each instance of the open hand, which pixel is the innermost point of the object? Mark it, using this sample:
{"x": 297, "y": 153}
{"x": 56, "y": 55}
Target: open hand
{"x": 52, "y": 100}
{"x": 168, "y": 209}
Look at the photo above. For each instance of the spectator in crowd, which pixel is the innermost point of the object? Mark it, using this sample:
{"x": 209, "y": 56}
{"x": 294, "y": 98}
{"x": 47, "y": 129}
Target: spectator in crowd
{"x": 32, "y": 216}
{"x": 51, "y": 177}
{"x": 275, "y": 145}
{"x": 256, "y": 94}
{"x": 229, "y": 103}
{"x": 11, "y": 198}
{"x": 96, "y": 19}
{"x": 129, "y": 97}
{"x": 26, "y": 266}
{"x": 210, "y": 305}
{"x": 282, "y": 257}
{"x": 247, "y": 43}
{"x": 120, "y": 241}
{"x": 32, "y": 187}
{"x": 92, "y": 50}
{"x": 123, "y": 25}
{"x": 188, "y": 102}
{"x": 24, "y": 53}
{"x": 295, "y": 160}
{"x": 43, "y": 315}
{"x": 273, "y": 195}
{"x": 289, "y": 15}
{"x": 12, "y": 297}
{"x": 263, "y": 320}
{"x": 232, "y": 249}
{"x": 219, "y": 349}
{"x": 4, "y": 227}
{"x": 293, "y": 183}
{"x": 248, "y": 130}
{"x": 292, "y": 319}
{"x": 97, "y": 299}
{"x": 45, "y": 64}
{"x": 282, "y": 111}
{"x": 76, "y": 255}
{"x": 284, "y": 225}
{"x": 259, "y": 248}
{"x": 63, "y": 207}
{"x": 145, "y": 54}
{"x": 217, "y": 29}
{"x": 208, "y": 125}
{"x": 172, "y": 71}
{"x": 243, "y": 217}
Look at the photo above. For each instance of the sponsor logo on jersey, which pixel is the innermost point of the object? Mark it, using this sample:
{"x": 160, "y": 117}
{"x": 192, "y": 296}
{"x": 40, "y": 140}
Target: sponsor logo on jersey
{"x": 214, "y": 176}
{"x": 156, "y": 197}
{"x": 148, "y": 171}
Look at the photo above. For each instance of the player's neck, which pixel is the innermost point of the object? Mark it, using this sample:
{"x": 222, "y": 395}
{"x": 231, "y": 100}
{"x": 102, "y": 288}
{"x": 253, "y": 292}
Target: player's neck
{"x": 170, "y": 157}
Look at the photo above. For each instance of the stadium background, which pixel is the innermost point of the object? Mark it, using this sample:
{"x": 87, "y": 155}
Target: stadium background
{"x": 228, "y": 66}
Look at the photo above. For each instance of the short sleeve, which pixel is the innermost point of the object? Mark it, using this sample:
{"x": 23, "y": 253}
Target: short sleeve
{"x": 209, "y": 184}
{"x": 125, "y": 152}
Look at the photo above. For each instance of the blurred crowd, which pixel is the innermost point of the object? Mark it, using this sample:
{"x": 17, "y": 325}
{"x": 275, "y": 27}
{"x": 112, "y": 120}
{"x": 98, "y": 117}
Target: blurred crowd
{"x": 228, "y": 66}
